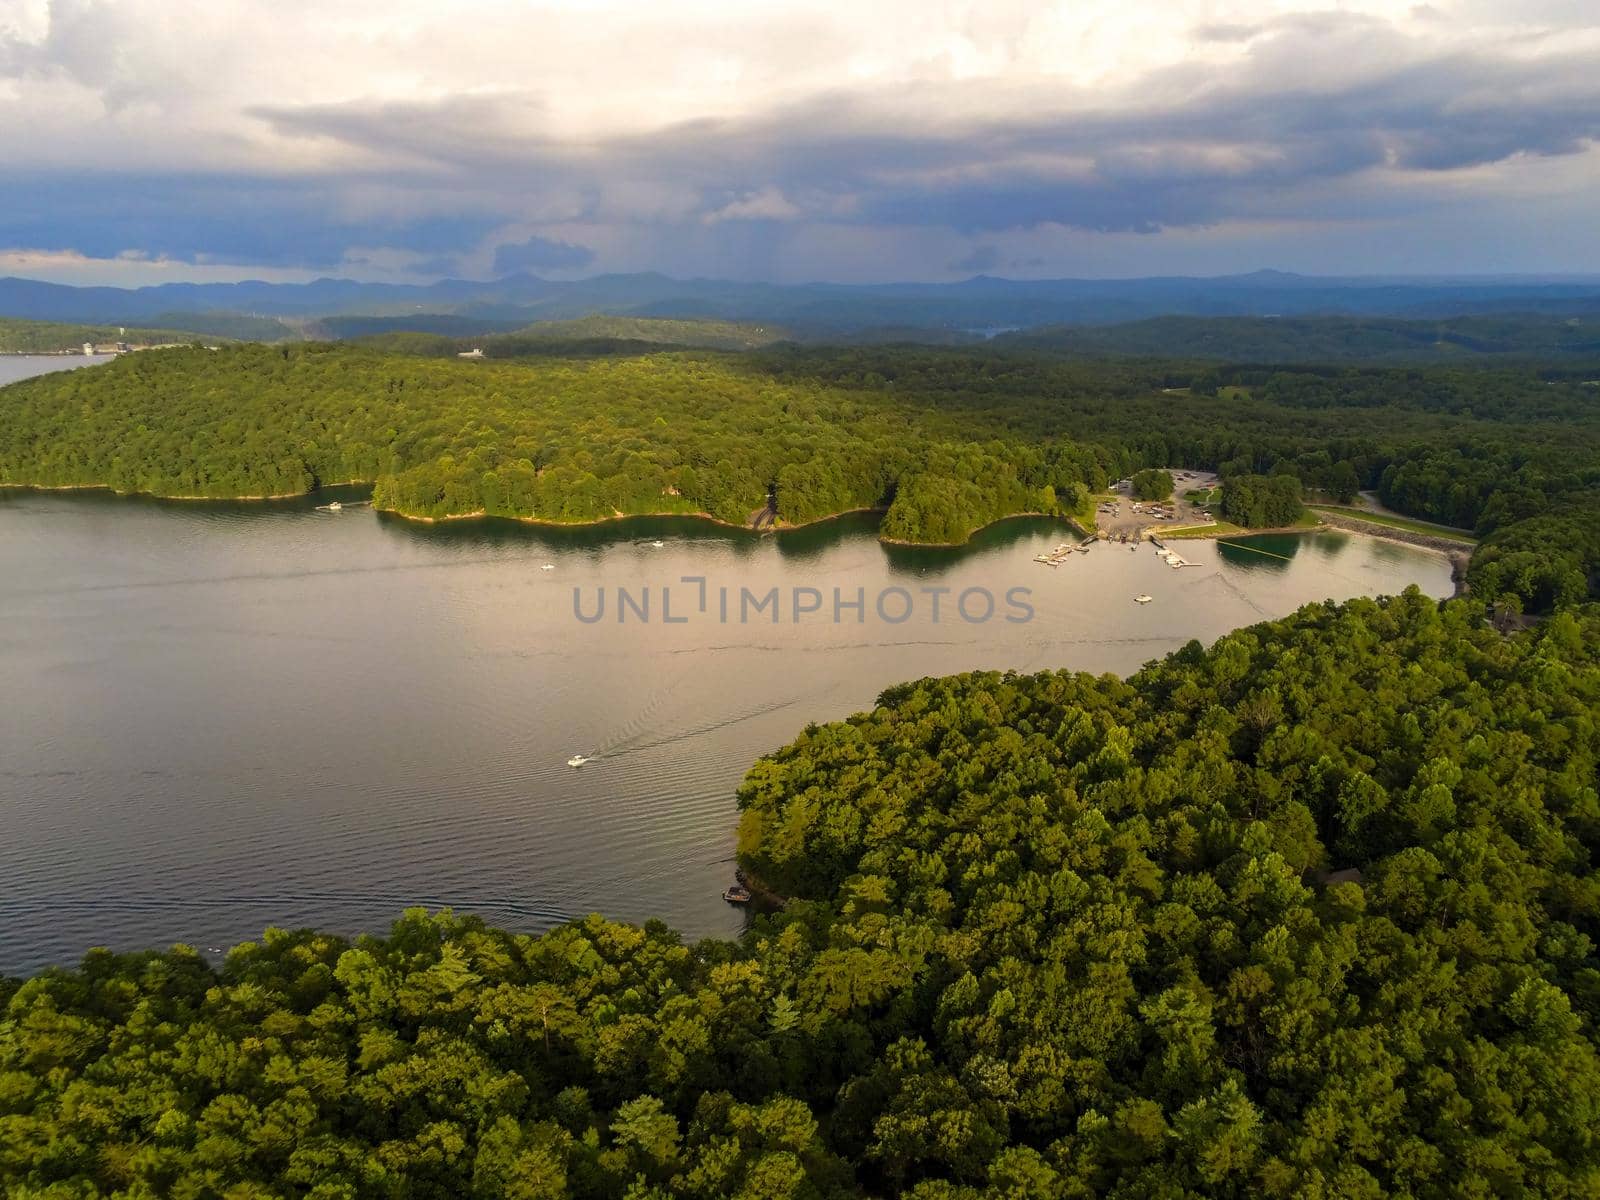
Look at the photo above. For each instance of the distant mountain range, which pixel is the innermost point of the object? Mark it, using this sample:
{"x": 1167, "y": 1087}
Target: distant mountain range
{"x": 978, "y": 305}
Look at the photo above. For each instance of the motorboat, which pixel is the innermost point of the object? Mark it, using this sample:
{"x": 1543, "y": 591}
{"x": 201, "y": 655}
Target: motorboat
{"x": 577, "y": 760}
{"x": 737, "y": 894}
{"x": 1142, "y": 599}
{"x": 548, "y": 567}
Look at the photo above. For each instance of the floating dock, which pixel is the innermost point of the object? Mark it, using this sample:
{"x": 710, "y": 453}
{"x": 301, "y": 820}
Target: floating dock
{"x": 1063, "y": 552}
{"x": 1056, "y": 557}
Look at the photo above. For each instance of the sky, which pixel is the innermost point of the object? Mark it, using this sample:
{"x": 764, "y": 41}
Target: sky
{"x": 150, "y": 140}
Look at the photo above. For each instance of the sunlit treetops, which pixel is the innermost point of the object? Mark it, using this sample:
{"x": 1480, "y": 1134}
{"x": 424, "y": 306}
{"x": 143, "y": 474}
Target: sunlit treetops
{"x": 943, "y": 440}
{"x": 1050, "y": 935}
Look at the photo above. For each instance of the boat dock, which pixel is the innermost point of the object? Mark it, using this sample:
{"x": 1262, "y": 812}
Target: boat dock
{"x": 1064, "y": 551}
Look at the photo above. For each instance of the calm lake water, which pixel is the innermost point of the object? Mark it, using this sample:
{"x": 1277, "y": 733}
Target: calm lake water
{"x": 23, "y": 366}
{"x": 219, "y": 717}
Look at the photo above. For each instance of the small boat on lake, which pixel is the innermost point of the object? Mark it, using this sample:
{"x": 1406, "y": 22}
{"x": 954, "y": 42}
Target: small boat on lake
{"x": 658, "y": 544}
{"x": 335, "y": 506}
{"x": 548, "y": 567}
{"x": 1142, "y": 599}
{"x": 577, "y": 760}
{"x": 737, "y": 894}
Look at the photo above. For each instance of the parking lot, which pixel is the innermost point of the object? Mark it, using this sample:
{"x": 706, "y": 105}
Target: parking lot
{"x": 1120, "y": 513}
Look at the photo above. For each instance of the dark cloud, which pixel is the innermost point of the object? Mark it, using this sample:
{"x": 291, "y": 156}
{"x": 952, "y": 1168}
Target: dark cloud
{"x": 444, "y": 264}
{"x": 235, "y": 219}
{"x": 1328, "y": 116}
{"x": 540, "y": 254}
{"x": 1190, "y": 146}
{"x": 981, "y": 259}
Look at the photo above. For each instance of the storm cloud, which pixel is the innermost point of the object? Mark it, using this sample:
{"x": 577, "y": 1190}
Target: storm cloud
{"x": 540, "y": 254}
{"x": 976, "y": 140}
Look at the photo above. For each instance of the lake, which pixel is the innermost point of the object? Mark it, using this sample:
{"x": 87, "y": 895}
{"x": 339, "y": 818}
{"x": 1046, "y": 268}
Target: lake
{"x": 224, "y": 716}
{"x": 23, "y": 366}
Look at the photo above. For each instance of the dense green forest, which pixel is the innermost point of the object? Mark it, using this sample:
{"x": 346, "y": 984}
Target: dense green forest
{"x": 50, "y": 337}
{"x": 1261, "y": 501}
{"x": 1325, "y": 339}
{"x": 945, "y": 439}
{"x": 710, "y": 335}
{"x": 584, "y": 335}
{"x": 1312, "y": 913}
{"x": 19, "y": 336}
{"x": 441, "y": 329}
{"x": 576, "y": 440}
{"x": 1152, "y": 483}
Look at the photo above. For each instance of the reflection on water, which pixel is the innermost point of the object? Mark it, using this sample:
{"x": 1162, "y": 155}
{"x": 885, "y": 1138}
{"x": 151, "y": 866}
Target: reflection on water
{"x": 224, "y": 716}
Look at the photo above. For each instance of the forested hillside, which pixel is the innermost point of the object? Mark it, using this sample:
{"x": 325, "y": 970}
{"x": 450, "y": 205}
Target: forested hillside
{"x": 594, "y": 334}
{"x": 1261, "y": 501}
{"x": 945, "y": 439}
{"x": 1328, "y": 339}
{"x": 711, "y": 335}
{"x": 48, "y": 337}
{"x": 1312, "y": 913}
{"x": 576, "y": 440}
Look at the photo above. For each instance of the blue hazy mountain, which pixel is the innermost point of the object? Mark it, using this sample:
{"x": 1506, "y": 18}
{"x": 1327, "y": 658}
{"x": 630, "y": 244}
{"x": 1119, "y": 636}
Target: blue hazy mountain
{"x": 980, "y": 303}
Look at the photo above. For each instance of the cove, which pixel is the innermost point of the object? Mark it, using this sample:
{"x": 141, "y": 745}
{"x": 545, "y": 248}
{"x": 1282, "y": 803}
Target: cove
{"x": 221, "y": 716}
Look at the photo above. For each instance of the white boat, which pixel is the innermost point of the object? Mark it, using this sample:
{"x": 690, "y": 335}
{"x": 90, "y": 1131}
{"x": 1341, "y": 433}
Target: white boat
{"x": 1142, "y": 599}
{"x": 658, "y": 545}
{"x": 335, "y": 506}
{"x": 577, "y": 760}
{"x": 548, "y": 567}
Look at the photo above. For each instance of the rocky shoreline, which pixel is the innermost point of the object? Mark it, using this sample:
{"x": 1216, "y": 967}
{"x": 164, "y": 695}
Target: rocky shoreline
{"x": 1458, "y": 552}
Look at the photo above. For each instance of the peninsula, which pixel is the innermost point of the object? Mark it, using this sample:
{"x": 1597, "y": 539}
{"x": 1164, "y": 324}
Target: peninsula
{"x": 943, "y": 440}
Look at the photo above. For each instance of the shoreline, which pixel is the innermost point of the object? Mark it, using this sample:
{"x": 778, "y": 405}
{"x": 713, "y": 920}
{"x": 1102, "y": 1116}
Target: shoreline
{"x": 547, "y": 523}
{"x": 1343, "y": 519}
{"x": 479, "y": 514}
{"x": 1452, "y": 550}
{"x": 1079, "y": 526}
{"x": 784, "y": 527}
{"x": 1450, "y": 547}
{"x": 106, "y": 487}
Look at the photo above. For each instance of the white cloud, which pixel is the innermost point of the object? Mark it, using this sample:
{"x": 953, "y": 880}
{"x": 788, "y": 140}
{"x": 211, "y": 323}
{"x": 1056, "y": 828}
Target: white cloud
{"x": 180, "y": 80}
{"x": 792, "y": 120}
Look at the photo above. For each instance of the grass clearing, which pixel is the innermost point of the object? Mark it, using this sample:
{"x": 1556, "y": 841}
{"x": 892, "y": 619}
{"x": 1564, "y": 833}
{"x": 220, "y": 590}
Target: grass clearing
{"x": 1215, "y": 529}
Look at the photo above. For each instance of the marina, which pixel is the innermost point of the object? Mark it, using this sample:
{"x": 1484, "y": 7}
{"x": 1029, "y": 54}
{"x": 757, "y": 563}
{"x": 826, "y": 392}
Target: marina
{"x": 1063, "y": 552}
